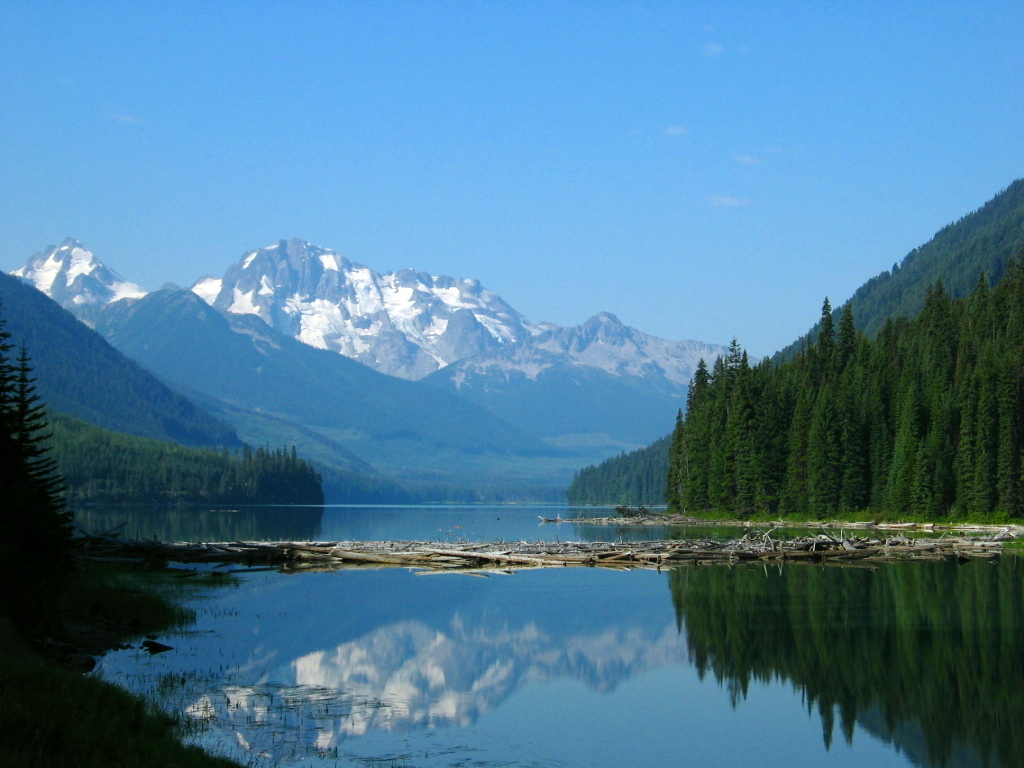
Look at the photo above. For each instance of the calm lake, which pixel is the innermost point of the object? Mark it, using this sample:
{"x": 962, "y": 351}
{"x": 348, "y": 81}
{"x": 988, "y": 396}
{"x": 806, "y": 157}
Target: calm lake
{"x": 901, "y": 665}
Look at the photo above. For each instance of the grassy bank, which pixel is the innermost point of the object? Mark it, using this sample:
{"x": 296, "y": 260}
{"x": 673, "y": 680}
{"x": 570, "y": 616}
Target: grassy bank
{"x": 54, "y": 715}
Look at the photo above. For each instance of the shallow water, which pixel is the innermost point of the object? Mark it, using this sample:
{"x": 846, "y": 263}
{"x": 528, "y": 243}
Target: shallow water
{"x": 907, "y": 664}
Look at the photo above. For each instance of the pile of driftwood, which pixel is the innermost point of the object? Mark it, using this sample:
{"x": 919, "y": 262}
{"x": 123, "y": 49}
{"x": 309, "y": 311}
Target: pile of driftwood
{"x": 752, "y": 546}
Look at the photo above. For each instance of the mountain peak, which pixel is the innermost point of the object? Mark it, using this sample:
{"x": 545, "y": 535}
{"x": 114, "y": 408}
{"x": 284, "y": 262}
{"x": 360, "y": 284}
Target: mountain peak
{"x": 72, "y": 276}
{"x": 406, "y": 323}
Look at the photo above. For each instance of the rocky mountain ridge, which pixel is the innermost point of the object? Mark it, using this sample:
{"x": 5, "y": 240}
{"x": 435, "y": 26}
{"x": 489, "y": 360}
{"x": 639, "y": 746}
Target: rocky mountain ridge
{"x": 407, "y": 323}
{"x": 599, "y": 383}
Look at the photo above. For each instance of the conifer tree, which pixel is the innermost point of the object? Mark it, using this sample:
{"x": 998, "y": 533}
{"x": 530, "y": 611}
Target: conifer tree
{"x": 35, "y": 531}
{"x": 676, "y": 466}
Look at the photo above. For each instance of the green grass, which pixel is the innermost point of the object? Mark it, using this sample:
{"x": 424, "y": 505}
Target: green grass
{"x": 55, "y": 717}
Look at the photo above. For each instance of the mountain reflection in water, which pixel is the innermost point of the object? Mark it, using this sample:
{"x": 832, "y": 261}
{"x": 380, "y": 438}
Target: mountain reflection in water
{"x": 923, "y": 662}
{"x": 408, "y": 676}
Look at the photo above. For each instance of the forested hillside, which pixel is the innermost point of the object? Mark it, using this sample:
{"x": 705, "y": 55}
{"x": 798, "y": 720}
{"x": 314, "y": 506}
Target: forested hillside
{"x": 981, "y": 242}
{"x": 924, "y": 421}
{"x": 102, "y": 466}
{"x": 80, "y": 374}
{"x": 633, "y": 478}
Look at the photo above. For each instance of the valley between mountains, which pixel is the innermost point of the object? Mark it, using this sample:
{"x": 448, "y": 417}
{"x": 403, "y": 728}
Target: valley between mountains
{"x": 432, "y": 387}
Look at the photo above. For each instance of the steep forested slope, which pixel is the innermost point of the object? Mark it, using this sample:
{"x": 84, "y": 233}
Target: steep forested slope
{"x": 980, "y": 242}
{"x": 80, "y": 374}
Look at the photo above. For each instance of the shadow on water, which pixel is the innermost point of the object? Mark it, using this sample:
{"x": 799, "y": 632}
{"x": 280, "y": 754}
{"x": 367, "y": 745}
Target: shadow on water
{"x": 203, "y": 523}
{"x": 928, "y": 657}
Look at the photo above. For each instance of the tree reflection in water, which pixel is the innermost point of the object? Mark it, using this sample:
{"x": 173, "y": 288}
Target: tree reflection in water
{"x": 927, "y": 656}
{"x": 269, "y": 523}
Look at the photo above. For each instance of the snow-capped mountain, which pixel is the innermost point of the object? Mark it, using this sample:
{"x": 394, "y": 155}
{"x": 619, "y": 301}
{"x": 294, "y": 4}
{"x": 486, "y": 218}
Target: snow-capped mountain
{"x": 601, "y": 383}
{"x": 404, "y": 323}
{"x": 74, "y": 277}
{"x": 604, "y": 343}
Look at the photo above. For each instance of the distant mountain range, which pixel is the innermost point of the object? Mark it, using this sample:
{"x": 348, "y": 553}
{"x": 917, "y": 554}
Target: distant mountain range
{"x": 472, "y": 364}
{"x": 73, "y": 277}
{"x": 555, "y": 383}
{"x": 406, "y": 324}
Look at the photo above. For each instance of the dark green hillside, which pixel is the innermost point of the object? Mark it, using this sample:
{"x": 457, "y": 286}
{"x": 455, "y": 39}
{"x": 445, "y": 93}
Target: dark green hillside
{"x": 102, "y": 466}
{"x": 980, "y": 242}
{"x": 633, "y": 478}
{"x": 245, "y": 363}
{"x": 80, "y": 374}
{"x": 257, "y": 428}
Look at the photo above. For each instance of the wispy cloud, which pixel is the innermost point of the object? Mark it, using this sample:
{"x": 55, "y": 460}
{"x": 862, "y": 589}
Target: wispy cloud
{"x": 722, "y": 201}
{"x": 676, "y": 130}
{"x": 710, "y": 50}
{"x": 746, "y": 159}
{"x": 124, "y": 117}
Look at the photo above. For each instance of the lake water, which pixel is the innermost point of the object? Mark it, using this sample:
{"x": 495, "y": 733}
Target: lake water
{"x": 432, "y": 522}
{"x": 906, "y": 664}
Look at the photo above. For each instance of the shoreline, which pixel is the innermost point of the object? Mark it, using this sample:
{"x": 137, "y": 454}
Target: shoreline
{"x": 656, "y": 519}
{"x": 752, "y": 546}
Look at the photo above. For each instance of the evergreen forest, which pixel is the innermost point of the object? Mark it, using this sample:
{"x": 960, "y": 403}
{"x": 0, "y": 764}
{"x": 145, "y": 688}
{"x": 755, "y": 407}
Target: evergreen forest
{"x": 924, "y": 421}
{"x": 109, "y": 467}
{"x": 636, "y": 477}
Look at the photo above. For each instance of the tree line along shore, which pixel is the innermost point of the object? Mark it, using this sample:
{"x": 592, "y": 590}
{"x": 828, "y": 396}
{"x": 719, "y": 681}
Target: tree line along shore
{"x": 924, "y": 422}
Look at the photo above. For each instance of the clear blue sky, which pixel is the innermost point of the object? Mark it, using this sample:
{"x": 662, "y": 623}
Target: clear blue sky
{"x": 703, "y": 170}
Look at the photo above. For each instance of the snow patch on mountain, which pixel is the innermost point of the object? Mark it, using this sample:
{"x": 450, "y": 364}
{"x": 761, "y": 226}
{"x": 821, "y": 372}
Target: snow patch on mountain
{"x": 406, "y": 323}
{"x": 73, "y": 277}
{"x": 604, "y": 343}
{"x": 207, "y": 288}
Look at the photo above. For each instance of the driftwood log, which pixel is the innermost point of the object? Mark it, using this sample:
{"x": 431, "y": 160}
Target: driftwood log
{"x": 829, "y": 548}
